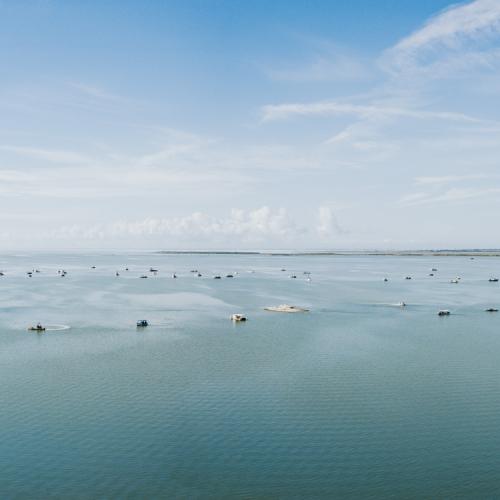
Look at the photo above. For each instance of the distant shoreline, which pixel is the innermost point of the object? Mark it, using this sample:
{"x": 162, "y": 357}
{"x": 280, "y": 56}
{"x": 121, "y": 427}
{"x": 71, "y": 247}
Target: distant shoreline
{"x": 381, "y": 253}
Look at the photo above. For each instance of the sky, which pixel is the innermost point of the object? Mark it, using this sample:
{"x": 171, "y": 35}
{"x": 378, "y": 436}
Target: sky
{"x": 237, "y": 125}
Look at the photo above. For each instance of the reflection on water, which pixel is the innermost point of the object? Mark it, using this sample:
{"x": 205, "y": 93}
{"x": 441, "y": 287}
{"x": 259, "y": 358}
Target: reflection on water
{"x": 358, "y": 398}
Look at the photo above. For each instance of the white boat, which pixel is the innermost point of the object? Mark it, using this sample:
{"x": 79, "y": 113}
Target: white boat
{"x": 238, "y": 317}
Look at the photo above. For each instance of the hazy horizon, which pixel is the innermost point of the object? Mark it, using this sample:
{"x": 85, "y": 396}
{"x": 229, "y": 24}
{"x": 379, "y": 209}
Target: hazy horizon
{"x": 248, "y": 125}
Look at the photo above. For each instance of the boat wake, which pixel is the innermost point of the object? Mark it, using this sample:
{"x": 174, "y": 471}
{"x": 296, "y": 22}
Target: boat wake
{"x": 56, "y": 328}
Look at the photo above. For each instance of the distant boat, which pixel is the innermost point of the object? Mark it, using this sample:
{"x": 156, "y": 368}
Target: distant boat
{"x": 142, "y": 323}
{"x": 174, "y": 275}
{"x": 454, "y": 280}
{"x": 386, "y": 279}
{"x": 293, "y": 276}
{"x": 491, "y": 310}
{"x": 408, "y": 278}
{"x": 443, "y": 312}
{"x": 229, "y": 276}
{"x": 144, "y": 276}
{"x": 493, "y": 280}
{"x": 217, "y": 277}
{"x": 151, "y": 270}
{"x": 37, "y": 328}
{"x": 238, "y": 317}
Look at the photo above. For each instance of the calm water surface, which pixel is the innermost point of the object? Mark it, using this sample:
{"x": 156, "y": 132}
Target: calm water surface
{"x": 358, "y": 398}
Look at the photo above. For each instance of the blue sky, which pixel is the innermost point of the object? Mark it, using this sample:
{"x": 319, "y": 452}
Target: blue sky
{"x": 232, "y": 124}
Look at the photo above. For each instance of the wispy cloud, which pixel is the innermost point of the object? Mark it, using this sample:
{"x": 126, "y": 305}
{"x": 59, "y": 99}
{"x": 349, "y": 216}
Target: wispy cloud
{"x": 453, "y": 195}
{"x": 325, "y": 108}
{"x": 50, "y": 155}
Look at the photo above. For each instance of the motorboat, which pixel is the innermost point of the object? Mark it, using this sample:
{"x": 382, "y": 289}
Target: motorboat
{"x": 443, "y": 312}
{"x": 491, "y": 310}
{"x": 142, "y": 323}
{"x": 286, "y": 308}
{"x": 238, "y": 317}
{"x": 37, "y": 328}
{"x": 493, "y": 280}
{"x": 217, "y": 277}
{"x": 229, "y": 276}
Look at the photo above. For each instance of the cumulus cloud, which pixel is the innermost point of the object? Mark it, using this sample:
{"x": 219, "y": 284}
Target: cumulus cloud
{"x": 263, "y": 226}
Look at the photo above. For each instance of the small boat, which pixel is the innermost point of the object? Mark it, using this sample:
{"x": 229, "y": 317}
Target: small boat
{"x": 126, "y": 269}
{"x": 493, "y": 280}
{"x": 37, "y": 328}
{"x": 229, "y": 276}
{"x": 144, "y": 276}
{"x": 174, "y": 275}
{"x": 443, "y": 312}
{"x": 434, "y": 269}
{"x": 286, "y": 308}
{"x": 199, "y": 275}
{"x": 193, "y": 271}
{"x": 93, "y": 267}
{"x": 401, "y": 304}
{"x": 491, "y": 310}
{"x": 151, "y": 270}
{"x": 283, "y": 269}
{"x": 217, "y": 277}
{"x": 386, "y": 279}
{"x": 142, "y": 323}
{"x": 408, "y": 278}
{"x": 431, "y": 274}
{"x": 454, "y": 280}
{"x": 238, "y": 317}
{"x": 293, "y": 276}
{"x": 117, "y": 273}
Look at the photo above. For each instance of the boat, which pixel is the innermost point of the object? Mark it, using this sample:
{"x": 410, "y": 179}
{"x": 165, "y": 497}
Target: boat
{"x": 493, "y": 280}
{"x": 443, "y": 312}
{"x": 434, "y": 269}
{"x": 217, "y": 277}
{"x": 229, "y": 276}
{"x": 151, "y": 270}
{"x": 408, "y": 278}
{"x": 117, "y": 273}
{"x": 174, "y": 275}
{"x": 142, "y": 323}
{"x": 238, "y": 317}
{"x": 293, "y": 276}
{"x": 386, "y": 279}
{"x": 143, "y": 276}
{"x": 286, "y": 308}
{"x": 37, "y": 328}
{"x": 491, "y": 310}
{"x": 199, "y": 275}
{"x": 454, "y": 280}
{"x": 431, "y": 274}
{"x": 401, "y": 304}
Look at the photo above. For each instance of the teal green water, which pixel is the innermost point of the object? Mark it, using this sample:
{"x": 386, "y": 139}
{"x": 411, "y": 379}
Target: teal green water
{"x": 356, "y": 399}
